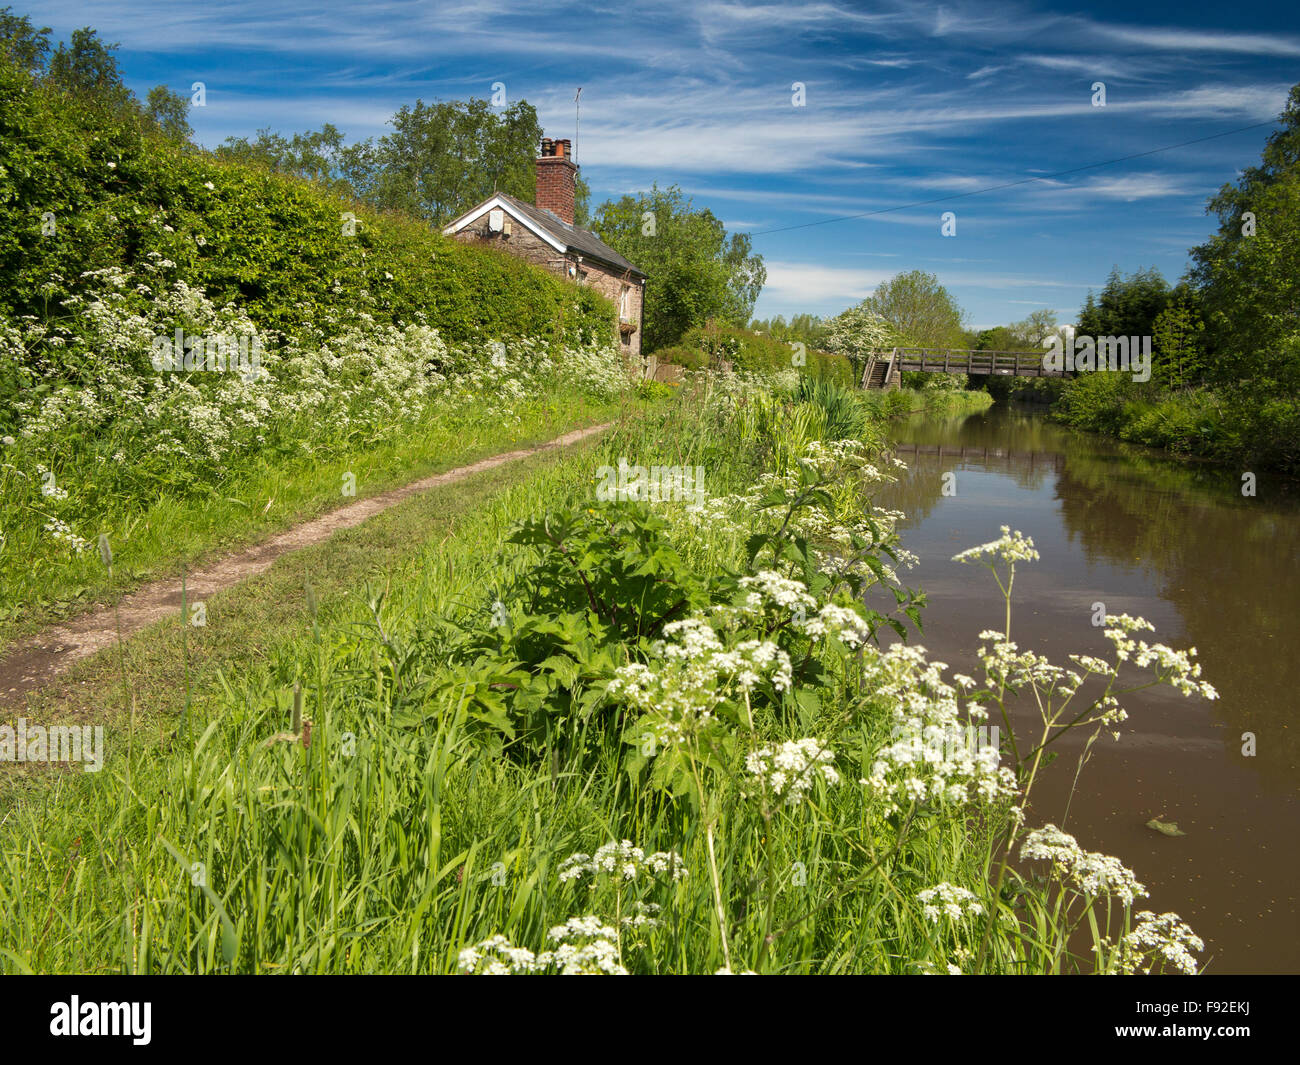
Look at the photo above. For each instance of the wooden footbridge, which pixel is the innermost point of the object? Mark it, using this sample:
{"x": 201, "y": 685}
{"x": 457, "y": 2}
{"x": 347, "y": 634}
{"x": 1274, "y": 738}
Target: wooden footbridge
{"x": 884, "y": 367}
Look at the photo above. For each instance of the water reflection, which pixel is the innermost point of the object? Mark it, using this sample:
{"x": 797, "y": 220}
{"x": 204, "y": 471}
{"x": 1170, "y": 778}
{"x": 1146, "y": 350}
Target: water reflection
{"x": 1179, "y": 545}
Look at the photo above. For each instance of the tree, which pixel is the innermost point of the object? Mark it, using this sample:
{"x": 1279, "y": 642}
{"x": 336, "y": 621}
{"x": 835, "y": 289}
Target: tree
{"x": 581, "y": 203}
{"x": 319, "y": 156}
{"x": 856, "y": 334}
{"x": 23, "y": 44}
{"x": 805, "y": 328}
{"x": 443, "y": 158}
{"x": 1248, "y": 274}
{"x": 696, "y": 271}
{"x": 1177, "y": 337}
{"x": 170, "y": 112}
{"x": 999, "y": 338}
{"x": 87, "y": 67}
{"x": 920, "y": 311}
{"x": 1128, "y": 306}
{"x": 1031, "y": 331}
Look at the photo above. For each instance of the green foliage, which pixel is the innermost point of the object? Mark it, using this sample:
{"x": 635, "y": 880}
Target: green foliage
{"x": 22, "y": 44}
{"x": 86, "y": 67}
{"x": 756, "y": 352}
{"x": 654, "y": 391}
{"x": 677, "y": 355}
{"x": 1248, "y": 274}
{"x": 1128, "y": 306}
{"x": 169, "y": 111}
{"x": 602, "y": 577}
{"x": 121, "y": 195}
{"x": 856, "y": 334}
{"x": 1178, "y": 345}
{"x": 807, "y": 328}
{"x": 442, "y": 158}
{"x": 1228, "y": 423}
{"x": 320, "y": 156}
{"x": 999, "y": 338}
{"x": 845, "y": 418}
{"x": 1029, "y": 332}
{"x": 696, "y": 272}
{"x": 919, "y": 311}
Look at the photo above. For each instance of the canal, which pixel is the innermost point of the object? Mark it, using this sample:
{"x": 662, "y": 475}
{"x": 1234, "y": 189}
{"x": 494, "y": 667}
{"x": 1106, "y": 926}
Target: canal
{"x": 1182, "y": 546}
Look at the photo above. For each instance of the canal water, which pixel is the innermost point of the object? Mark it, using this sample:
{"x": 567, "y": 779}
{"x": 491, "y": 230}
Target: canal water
{"x": 1181, "y": 546}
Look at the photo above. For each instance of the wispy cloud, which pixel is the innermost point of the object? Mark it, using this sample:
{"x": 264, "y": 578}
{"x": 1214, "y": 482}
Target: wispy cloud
{"x": 906, "y": 101}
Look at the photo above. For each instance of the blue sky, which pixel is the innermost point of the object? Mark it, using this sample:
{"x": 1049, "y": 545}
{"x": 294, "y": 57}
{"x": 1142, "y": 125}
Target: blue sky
{"x": 904, "y": 102}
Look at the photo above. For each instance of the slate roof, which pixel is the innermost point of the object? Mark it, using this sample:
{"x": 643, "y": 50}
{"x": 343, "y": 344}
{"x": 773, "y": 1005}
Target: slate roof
{"x": 579, "y": 240}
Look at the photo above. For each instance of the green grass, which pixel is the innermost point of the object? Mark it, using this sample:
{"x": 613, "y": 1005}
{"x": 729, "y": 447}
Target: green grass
{"x": 154, "y": 538}
{"x": 386, "y": 860}
{"x": 213, "y": 842}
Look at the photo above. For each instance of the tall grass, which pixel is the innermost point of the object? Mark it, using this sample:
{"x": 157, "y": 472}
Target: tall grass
{"x": 372, "y": 823}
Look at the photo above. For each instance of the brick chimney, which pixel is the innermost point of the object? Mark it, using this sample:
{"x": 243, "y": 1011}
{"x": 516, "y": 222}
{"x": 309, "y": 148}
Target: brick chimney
{"x": 557, "y": 177}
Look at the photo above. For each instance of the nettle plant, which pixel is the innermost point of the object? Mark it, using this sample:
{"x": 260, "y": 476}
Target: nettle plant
{"x": 606, "y": 588}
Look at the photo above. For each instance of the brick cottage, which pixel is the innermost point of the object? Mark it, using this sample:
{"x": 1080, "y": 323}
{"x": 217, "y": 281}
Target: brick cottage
{"x": 544, "y": 234}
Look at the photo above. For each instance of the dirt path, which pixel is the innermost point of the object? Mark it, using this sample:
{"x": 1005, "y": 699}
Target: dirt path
{"x": 37, "y": 660}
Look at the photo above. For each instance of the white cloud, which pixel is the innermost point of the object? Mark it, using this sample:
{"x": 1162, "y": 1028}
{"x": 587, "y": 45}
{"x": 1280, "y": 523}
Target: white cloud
{"x": 1183, "y": 40}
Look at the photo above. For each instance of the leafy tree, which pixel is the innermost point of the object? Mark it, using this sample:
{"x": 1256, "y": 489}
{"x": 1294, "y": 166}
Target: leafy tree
{"x": 1248, "y": 274}
{"x": 696, "y": 271}
{"x": 170, "y": 112}
{"x": 1031, "y": 331}
{"x": 807, "y": 328}
{"x": 443, "y": 158}
{"x": 1178, "y": 341}
{"x": 858, "y": 332}
{"x": 919, "y": 310}
{"x": 23, "y": 44}
{"x": 581, "y": 203}
{"x": 319, "y": 156}
{"x": 1128, "y": 306}
{"x": 87, "y": 67}
{"x": 999, "y": 338}
{"x": 404, "y": 170}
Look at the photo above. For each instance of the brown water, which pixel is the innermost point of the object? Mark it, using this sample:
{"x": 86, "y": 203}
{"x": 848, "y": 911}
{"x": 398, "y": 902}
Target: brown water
{"x": 1180, "y": 546}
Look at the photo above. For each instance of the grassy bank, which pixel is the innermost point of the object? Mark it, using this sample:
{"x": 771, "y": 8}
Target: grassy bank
{"x": 155, "y": 537}
{"x": 434, "y": 764}
{"x": 1231, "y": 425}
{"x": 195, "y": 351}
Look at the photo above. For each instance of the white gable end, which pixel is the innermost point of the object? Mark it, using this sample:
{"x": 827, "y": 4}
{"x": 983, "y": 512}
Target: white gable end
{"x": 496, "y": 203}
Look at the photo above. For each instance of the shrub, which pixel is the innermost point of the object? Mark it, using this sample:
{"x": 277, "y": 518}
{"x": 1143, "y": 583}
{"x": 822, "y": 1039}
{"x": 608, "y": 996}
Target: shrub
{"x": 690, "y": 358}
{"x": 284, "y": 250}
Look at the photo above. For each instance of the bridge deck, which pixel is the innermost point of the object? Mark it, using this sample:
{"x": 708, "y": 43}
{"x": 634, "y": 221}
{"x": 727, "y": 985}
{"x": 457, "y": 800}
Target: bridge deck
{"x": 883, "y": 365}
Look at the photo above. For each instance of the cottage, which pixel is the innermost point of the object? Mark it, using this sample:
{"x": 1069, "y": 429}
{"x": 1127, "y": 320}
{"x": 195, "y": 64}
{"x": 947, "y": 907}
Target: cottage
{"x": 544, "y": 234}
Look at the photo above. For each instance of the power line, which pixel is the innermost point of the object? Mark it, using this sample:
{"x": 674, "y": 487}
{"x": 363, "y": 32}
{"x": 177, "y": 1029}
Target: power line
{"x": 1011, "y": 184}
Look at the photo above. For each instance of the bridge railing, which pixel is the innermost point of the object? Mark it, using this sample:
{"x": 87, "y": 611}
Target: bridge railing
{"x": 947, "y": 360}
